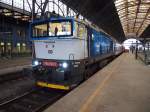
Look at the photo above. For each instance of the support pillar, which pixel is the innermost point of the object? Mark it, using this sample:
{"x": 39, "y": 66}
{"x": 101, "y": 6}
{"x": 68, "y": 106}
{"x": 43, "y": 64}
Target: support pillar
{"x": 136, "y": 50}
{"x": 33, "y": 9}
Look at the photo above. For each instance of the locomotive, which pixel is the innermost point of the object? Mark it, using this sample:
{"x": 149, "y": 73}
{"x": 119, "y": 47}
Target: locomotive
{"x": 67, "y": 51}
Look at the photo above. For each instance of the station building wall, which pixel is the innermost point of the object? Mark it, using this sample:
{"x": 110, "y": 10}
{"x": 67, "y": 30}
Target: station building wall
{"x": 14, "y": 37}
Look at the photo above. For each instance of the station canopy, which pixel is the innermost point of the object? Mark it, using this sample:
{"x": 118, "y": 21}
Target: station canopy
{"x": 22, "y": 9}
{"x": 100, "y": 12}
{"x": 134, "y": 16}
{"x": 121, "y": 19}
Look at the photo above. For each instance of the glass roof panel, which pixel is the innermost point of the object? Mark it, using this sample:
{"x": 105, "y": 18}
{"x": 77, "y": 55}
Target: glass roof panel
{"x": 53, "y": 5}
{"x": 134, "y": 15}
{"x": 145, "y": 1}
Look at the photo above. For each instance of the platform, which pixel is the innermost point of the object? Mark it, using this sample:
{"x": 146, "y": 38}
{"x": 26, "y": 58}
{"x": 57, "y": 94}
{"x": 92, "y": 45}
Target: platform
{"x": 14, "y": 65}
{"x": 121, "y": 86}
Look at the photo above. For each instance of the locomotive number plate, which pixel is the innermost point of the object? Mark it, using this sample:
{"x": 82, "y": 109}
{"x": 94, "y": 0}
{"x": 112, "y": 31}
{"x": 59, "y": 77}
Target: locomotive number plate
{"x": 50, "y": 64}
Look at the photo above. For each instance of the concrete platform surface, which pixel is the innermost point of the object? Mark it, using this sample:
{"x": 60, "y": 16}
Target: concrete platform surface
{"x": 13, "y": 69}
{"x": 13, "y": 65}
{"x": 8, "y": 63}
{"x": 122, "y": 86}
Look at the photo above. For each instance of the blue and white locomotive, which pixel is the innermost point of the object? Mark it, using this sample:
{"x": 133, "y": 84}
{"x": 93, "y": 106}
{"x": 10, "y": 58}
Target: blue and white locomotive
{"x": 67, "y": 51}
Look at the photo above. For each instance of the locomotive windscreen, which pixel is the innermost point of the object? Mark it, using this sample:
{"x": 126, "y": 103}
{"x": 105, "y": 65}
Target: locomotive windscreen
{"x": 52, "y": 29}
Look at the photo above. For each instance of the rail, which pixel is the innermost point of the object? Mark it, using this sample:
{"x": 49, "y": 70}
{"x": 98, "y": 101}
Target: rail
{"x": 32, "y": 101}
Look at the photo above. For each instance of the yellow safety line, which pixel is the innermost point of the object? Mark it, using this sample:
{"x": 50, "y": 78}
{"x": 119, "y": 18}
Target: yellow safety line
{"x": 86, "y": 105}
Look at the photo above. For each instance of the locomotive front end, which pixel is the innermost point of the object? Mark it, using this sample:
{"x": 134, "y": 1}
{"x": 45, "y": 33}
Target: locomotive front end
{"x": 58, "y": 56}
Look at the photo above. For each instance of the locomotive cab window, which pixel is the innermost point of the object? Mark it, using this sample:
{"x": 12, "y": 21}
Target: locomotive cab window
{"x": 59, "y": 28}
{"x": 40, "y": 30}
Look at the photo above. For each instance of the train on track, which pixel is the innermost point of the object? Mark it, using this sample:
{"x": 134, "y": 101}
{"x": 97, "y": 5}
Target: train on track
{"x": 67, "y": 51}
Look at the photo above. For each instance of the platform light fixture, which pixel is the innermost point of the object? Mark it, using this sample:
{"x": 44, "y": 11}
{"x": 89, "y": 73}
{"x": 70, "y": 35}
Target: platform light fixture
{"x": 2, "y": 43}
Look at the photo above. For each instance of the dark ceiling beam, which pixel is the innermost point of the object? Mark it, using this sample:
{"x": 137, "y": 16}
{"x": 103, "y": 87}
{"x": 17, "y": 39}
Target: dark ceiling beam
{"x": 127, "y": 11}
{"x": 110, "y": 22}
{"x": 102, "y": 10}
{"x": 146, "y": 33}
{"x": 44, "y": 8}
{"x": 33, "y": 9}
{"x": 29, "y": 5}
{"x": 12, "y": 8}
{"x": 82, "y": 8}
{"x": 107, "y": 20}
{"x": 138, "y": 7}
{"x": 148, "y": 11}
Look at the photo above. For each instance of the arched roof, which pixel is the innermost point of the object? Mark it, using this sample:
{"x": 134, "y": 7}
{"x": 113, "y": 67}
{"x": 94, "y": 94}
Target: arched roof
{"x": 134, "y": 16}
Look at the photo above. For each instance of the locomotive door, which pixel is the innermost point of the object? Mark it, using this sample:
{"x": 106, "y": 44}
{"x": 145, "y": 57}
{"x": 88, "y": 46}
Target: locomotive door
{"x": 90, "y": 42}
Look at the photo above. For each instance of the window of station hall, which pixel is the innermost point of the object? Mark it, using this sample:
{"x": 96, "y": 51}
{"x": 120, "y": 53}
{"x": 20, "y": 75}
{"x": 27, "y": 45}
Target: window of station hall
{"x": 2, "y": 47}
{"x": 21, "y": 33}
{"x": 2, "y": 44}
{"x": 18, "y": 48}
{"x": 23, "y": 47}
{"x": 18, "y": 33}
{"x": 8, "y": 46}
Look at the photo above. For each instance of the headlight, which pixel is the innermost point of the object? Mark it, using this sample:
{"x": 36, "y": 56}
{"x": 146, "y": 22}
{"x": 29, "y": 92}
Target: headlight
{"x": 36, "y": 63}
{"x": 64, "y": 65}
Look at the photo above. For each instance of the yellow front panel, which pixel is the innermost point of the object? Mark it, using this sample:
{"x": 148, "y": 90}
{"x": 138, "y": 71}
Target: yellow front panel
{"x": 55, "y": 86}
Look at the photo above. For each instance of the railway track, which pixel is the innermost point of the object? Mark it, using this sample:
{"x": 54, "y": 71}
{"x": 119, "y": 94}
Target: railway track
{"x": 33, "y": 101}
{"x": 14, "y": 84}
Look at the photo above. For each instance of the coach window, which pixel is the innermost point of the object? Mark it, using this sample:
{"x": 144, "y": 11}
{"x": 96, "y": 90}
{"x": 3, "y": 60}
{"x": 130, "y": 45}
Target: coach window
{"x": 40, "y": 30}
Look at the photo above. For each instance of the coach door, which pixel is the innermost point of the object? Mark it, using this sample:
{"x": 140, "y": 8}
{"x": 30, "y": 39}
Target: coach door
{"x": 89, "y": 41}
